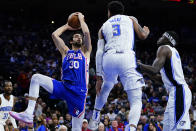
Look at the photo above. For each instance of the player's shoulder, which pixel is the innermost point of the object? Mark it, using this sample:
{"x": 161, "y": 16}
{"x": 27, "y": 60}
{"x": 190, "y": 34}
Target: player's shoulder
{"x": 164, "y": 49}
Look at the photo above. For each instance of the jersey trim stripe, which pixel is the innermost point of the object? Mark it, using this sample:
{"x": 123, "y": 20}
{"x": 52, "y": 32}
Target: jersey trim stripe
{"x": 179, "y": 91}
{"x": 86, "y": 78}
{"x": 133, "y": 40}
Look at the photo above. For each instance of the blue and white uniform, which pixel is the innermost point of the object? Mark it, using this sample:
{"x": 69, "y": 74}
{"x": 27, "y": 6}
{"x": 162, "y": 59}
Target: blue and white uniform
{"x": 119, "y": 57}
{"x": 176, "y": 116}
{"x": 5, "y": 107}
{"x": 73, "y": 87}
{"x": 119, "y": 61}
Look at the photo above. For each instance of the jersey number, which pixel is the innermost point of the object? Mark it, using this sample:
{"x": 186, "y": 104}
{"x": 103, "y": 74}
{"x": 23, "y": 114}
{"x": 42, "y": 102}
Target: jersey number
{"x": 116, "y": 30}
{"x": 5, "y": 116}
{"x": 74, "y": 64}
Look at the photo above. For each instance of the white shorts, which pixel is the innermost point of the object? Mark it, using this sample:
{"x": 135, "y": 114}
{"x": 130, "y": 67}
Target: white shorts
{"x": 2, "y": 127}
{"x": 176, "y": 116}
{"x": 124, "y": 66}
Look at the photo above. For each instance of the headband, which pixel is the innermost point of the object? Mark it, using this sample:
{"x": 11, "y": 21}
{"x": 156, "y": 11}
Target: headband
{"x": 170, "y": 38}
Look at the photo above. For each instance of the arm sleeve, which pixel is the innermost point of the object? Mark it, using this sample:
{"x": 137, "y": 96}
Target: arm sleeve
{"x": 99, "y": 57}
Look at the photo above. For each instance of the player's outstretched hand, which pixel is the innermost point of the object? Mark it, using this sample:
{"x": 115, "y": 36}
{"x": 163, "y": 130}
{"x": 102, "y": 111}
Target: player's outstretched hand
{"x": 70, "y": 28}
{"x": 139, "y": 62}
{"x": 146, "y": 29}
{"x": 98, "y": 84}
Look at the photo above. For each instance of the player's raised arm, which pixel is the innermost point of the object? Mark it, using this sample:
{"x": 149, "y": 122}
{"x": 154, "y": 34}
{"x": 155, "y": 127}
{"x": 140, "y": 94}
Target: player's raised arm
{"x": 85, "y": 30}
{"x": 59, "y": 43}
{"x": 142, "y": 33}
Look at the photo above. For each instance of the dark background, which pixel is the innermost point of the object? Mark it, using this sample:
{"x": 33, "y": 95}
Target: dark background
{"x": 27, "y": 16}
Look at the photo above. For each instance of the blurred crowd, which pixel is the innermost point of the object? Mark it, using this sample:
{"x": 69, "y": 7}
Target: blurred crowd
{"x": 26, "y": 50}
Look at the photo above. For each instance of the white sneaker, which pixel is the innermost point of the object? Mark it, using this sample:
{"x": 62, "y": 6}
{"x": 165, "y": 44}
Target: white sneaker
{"x": 93, "y": 125}
{"x": 22, "y": 116}
{"x": 129, "y": 128}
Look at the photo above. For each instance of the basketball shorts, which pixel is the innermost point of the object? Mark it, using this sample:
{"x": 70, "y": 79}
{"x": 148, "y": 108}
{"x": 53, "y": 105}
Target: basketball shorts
{"x": 75, "y": 99}
{"x": 122, "y": 65}
{"x": 176, "y": 116}
{"x": 2, "y": 126}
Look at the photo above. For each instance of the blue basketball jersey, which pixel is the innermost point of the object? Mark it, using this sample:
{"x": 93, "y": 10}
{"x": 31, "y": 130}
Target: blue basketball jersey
{"x": 75, "y": 70}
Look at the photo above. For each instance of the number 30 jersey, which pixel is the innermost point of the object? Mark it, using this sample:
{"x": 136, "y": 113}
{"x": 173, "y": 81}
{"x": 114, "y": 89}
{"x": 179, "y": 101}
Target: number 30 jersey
{"x": 118, "y": 32}
{"x": 5, "y": 107}
{"x": 75, "y": 68}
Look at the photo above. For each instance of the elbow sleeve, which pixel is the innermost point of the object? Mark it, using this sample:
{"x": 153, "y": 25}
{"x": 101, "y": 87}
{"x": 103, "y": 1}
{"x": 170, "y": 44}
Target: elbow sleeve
{"x": 99, "y": 57}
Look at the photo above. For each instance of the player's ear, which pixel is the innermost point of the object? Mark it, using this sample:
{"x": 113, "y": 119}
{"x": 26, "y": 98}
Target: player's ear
{"x": 71, "y": 42}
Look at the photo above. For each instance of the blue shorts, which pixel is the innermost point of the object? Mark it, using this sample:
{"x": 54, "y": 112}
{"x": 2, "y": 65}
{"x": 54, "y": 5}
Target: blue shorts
{"x": 75, "y": 99}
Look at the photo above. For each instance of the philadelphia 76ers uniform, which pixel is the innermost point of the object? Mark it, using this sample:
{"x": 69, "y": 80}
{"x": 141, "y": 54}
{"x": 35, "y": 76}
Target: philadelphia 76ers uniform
{"x": 176, "y": 116}
{"x": 73, "y": 87}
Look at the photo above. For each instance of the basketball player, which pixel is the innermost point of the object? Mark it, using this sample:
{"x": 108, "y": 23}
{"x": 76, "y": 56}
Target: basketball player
{"x": 168, "y": 63}
{"x": 73, "y": 87}
{"x": 116, "y": 57}
{"x": 7, "y": 102}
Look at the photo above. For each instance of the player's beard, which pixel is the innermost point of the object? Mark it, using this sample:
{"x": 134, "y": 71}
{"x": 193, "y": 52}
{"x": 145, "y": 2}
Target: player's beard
{"x": 77, "y": 44}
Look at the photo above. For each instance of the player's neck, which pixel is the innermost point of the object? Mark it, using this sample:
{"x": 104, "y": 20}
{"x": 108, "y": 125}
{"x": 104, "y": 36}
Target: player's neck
{"x": 6, "y": 96}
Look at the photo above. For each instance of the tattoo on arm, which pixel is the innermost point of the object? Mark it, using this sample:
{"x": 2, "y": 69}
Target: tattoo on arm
{"x": 140, "y": 29}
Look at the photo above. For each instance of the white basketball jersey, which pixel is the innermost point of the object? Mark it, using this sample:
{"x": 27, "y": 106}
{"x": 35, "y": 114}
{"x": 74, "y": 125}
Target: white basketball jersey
{"x": 5, "y": 107}
{"x": 172, "y": 73}
{"x": 118, "y": 32}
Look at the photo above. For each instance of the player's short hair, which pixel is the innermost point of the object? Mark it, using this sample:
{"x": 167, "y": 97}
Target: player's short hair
{"x": 76, "y": 32}
{"x": 175, "y": 36}
{"x": 116, "y": 7}
{"x": 6, "y": 81}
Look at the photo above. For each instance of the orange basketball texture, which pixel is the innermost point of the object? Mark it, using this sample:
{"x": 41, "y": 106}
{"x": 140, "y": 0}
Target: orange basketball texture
{"x": 73, "y": 21}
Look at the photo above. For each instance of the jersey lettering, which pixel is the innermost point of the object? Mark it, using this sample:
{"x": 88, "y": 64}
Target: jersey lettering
{"x": 116, "y": 30}
{"x": 5, "y": 116}
{"x": 74, "y": 64}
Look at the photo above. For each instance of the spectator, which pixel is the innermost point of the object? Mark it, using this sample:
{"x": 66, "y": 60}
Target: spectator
{"x": 152, "y": 126}
{"x": 120, "y": 124}
{"x": 107, "y": 124}
{"x": 85, "y": 125}
{"x": 41, "y": 124}
{"x": 139, "y": 127}
{"x": 101, "y": 127}
{"x": 62, "y": 128}
{"x": 111, "y": 114}
{"x": 68, "y": 121}
{"x": 114, "y": 126}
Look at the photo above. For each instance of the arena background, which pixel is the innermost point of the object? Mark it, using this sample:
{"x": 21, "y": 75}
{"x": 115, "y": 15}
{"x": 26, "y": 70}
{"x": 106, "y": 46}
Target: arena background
{"x": 26, "y": 46}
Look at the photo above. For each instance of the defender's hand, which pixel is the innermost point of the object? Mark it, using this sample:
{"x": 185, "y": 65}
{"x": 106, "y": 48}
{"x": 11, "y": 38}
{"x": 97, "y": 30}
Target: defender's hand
{"x": 139, "y": 62}
{"x": 146, "y": 29}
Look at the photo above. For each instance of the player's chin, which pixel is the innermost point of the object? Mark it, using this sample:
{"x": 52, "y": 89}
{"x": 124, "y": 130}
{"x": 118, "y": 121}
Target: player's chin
{"x": 78, "y": 44}
{"x": 9, "y": 92}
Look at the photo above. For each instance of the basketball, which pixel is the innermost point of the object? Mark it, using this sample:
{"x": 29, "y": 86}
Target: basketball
{"x": 73, "y": 21}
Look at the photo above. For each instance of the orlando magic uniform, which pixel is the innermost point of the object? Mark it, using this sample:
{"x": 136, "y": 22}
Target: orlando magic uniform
{"x": 119, "y": 57}
{"x": 5, "y": 107}
{"x": 177, "y": 111}
{"x": 73, "y": 87}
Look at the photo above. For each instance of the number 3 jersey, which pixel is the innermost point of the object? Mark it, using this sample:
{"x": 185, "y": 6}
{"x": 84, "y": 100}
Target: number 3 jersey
{"x": 5, "y": 108}
{"x": 75, "y": 70}
{"x": 118, "y": 32}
